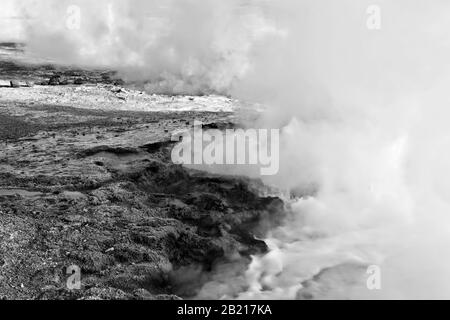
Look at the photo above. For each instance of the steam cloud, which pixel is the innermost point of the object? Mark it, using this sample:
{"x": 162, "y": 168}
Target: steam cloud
{"x": 175, "y": 46}
{"x": 364, "y": 117}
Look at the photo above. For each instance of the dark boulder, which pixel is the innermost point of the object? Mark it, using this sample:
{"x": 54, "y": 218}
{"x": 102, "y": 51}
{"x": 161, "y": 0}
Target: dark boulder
{"x": 55, "y": 80}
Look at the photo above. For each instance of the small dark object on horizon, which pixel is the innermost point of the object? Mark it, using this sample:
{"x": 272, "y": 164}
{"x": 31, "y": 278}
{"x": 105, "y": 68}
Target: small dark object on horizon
{"x": 54, "y": 80}
{"x": 64, "y": 82}
{"x": 14, "y": 84}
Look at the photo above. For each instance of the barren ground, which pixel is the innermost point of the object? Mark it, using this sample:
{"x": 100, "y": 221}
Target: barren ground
{"x": 86, "y": 179}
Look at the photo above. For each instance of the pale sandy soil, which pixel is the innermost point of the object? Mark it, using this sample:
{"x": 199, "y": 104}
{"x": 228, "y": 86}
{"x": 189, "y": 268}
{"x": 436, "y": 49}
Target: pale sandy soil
{"x": 113, "y": 98}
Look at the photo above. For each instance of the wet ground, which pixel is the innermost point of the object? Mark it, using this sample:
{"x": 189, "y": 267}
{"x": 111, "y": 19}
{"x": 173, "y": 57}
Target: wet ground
{"x": 87, "y": 180}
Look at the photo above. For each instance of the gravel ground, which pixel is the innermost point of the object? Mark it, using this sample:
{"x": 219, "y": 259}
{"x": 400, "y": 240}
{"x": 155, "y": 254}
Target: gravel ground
{"x": 85, "y": 181}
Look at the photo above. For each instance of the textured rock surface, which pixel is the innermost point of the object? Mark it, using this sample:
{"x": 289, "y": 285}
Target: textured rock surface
{"x": 97, "y": 189}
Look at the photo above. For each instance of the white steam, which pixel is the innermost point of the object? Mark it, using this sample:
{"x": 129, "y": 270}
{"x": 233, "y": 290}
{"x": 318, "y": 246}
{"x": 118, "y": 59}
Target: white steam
{"x": 173, "y": 46}
{"x": 365, "y": 116}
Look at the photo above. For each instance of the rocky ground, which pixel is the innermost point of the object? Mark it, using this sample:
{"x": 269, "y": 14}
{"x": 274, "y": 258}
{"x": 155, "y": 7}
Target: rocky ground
{"x": 86, "y": 180}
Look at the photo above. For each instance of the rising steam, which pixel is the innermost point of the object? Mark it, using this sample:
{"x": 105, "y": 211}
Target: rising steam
{"x": 174, "y": 46}
{"x": 363, "y": 115}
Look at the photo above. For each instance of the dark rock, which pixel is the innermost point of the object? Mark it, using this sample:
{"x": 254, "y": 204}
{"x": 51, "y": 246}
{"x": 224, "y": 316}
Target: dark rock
{"x": 121, "y": 96}
{"x": 117, "y": 90}
{"x": 54, "y": 80}
{"x": 14, "y": 84}
{"x": 99, "y": 163}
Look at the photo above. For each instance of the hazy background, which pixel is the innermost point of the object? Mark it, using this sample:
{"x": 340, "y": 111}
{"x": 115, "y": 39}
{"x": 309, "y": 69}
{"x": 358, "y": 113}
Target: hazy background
{"x": 10, "y": 22}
